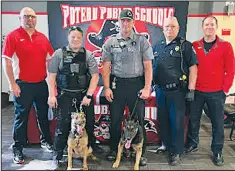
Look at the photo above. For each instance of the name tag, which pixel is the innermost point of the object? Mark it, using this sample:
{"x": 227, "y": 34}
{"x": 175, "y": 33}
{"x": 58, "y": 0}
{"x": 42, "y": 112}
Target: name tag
{"x": 131, "y": 49}
{"x": 68, "y": 60}
{"x": 117, "y": 49}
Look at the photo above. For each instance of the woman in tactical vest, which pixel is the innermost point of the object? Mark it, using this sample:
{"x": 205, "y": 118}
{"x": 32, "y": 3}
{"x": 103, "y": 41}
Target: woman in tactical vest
{"x": 74, "y": 72}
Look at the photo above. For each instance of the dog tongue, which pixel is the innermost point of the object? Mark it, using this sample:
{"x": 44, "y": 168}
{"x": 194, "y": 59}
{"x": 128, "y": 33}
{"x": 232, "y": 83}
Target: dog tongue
{"x": 128, "y": 144}
{"x": 79, "y": 130}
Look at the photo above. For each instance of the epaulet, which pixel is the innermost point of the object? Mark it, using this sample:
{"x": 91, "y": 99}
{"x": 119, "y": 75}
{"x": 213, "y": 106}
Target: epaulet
{"x": 113, "y": 35}
{"x": 64, "y": 48}
{"x": 84, "y": 50}
{"x": 64, "y": 51}
{"x": 182, "y": 40}
{"x": 161, "y": 42}
{"x": 137, "y": 34}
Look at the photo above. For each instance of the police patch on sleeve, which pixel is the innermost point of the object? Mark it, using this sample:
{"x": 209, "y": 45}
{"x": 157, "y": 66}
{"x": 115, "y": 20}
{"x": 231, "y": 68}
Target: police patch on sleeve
{"x": 155, "y": 54}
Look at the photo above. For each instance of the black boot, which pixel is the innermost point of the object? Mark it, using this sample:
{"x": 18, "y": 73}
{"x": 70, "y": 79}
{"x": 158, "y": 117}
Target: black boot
{"x": 18, "y": 156}
{"x": 143, "y": 161}
{"x": 174, "y": 159}
{"x": 190, "y": 149}
{"x": 97, "y": 149}
{"x": 218, "y": 159}
{"x": 111, "y": 155}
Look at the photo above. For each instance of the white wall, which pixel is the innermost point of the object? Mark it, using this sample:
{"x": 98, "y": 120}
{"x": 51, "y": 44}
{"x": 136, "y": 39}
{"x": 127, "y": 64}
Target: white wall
{"x": 11, "y": 21}
{"x": 194, "y": 31}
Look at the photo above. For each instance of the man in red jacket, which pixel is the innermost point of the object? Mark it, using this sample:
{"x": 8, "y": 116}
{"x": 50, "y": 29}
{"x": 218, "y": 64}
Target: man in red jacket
{"x": 215, "y": 77}
{"x": 25, "y": 54}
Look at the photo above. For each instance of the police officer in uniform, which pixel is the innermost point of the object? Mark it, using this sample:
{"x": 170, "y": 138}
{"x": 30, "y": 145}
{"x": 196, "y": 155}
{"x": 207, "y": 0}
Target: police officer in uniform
{"x": 131, "y": 57}
{"x": 74, "y": 71}
{"x": 175, "y": 73}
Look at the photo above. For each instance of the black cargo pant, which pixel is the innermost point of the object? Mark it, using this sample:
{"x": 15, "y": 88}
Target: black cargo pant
{"x": 36, "y": 94}
{"x": 126, "y": 93}
{"x": 65, "y": 107}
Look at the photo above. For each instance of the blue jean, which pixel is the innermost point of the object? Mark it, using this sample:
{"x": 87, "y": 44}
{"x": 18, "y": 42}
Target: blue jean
{"x": 215, "y": 102}
{"x": 171, "y": 111}
{"x": 36, "y": 94}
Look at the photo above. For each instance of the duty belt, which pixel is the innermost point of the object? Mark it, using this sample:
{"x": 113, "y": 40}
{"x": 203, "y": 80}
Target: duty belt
{"x": 127, "y": 78}
{"x": 68, "y": 91}
{"x": 171, "y": 86}
{"x": 73, "y": 91}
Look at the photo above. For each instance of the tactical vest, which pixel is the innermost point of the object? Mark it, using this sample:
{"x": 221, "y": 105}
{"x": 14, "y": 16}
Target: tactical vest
{"x": 170, "y": 67}
{"x": 74, "y": 74}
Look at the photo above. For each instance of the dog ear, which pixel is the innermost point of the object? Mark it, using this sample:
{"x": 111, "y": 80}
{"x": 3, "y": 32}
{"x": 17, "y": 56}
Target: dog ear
{"x": 72, "y": 115}
{"x": 137, "y": 122}
{"x": 135, "y": 117}
{"x": 128, "y": 116}
{"x": 83, "y": 115}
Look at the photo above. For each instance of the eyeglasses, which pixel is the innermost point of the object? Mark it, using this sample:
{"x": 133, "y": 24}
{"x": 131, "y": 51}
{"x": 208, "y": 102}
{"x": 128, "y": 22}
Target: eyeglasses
{"x": 29, "y": 16}
{"x": 75, "y": 28}
{"x": 170, "y": 27}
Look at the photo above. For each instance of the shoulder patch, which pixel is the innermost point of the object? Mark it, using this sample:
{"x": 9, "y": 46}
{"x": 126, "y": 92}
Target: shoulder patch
{"x": 139, "y": 35}
{"x": 155, "y": 53}
{"x": 182, "y": 40}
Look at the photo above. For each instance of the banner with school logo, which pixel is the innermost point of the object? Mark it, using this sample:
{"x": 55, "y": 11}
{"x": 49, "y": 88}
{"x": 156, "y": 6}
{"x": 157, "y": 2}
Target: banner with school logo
{"x": 99, "y": 21}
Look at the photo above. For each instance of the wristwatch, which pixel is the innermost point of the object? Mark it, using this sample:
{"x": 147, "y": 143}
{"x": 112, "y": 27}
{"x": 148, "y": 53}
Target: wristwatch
{"x": 107, "y": 88}
{"x": 88, "y": 96}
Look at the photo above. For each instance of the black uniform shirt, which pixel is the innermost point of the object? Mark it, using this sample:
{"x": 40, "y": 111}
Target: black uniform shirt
{"x": 163, "y": 50}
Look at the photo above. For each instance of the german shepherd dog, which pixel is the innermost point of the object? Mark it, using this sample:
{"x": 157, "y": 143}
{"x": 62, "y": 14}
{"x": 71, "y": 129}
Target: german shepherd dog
{"x": 78, "y": 140}
{"x": 132, "y": 136}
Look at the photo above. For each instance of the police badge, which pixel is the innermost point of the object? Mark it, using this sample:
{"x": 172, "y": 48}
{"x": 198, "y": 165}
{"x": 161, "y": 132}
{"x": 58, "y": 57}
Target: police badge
{"x": 177, "y": 48}
{"x": 74, "y": 68}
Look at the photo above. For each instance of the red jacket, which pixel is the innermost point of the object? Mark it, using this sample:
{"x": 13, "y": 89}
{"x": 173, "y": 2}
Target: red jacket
{"x": 216, "y": 68}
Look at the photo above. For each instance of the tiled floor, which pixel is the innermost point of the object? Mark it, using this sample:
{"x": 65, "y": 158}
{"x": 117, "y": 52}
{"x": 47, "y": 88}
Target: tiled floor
{"x": 38, "y": 159}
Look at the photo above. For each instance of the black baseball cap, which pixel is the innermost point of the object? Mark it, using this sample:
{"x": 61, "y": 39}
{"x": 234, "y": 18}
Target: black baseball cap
{"x": 126, "y": 13}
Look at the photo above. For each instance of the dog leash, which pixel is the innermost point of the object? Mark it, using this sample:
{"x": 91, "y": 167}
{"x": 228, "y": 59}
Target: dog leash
{"x": 136, "y": 102}
{"x": 75, "y": 105}
{"x": 153, "y": 87}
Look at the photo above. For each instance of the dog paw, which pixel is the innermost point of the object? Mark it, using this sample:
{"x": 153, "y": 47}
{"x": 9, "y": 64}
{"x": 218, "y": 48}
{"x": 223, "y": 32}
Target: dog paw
{"x": 85, "y": 168}
{"x": 94, "y": 158}
{"x": 69, "y": 168}
{"x": 115, "y": 165}
{"x": 136, "y": 167}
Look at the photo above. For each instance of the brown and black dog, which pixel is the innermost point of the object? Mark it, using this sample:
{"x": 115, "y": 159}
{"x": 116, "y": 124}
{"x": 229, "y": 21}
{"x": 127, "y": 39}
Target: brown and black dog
{"x": 78, "y": 140}
{"x": 132, "y": 135}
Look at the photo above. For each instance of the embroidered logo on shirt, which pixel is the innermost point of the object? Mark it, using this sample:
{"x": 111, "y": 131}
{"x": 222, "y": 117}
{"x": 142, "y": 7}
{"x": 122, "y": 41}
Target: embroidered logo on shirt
{"x": 21, "y": 40}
